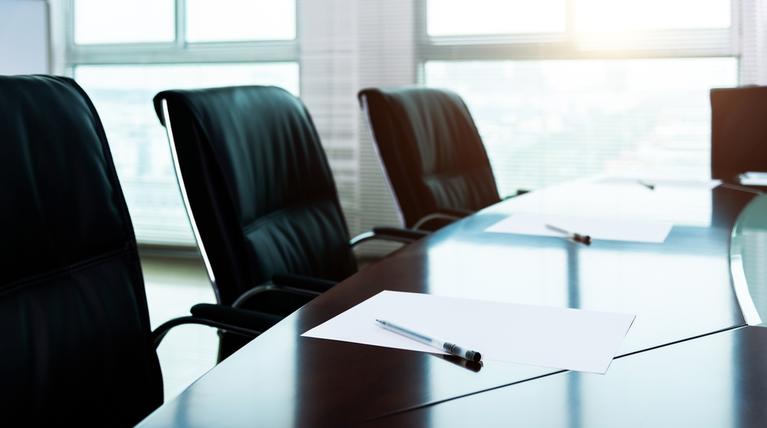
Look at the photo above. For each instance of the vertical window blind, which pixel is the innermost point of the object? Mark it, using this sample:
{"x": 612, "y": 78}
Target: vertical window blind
{"x": 347, "y": 45}
{"x": 753, "y": 42}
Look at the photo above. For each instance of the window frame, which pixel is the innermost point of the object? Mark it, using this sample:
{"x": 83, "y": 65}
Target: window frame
{"x": 179, "y": 51}
{"x": 543, "y": 46}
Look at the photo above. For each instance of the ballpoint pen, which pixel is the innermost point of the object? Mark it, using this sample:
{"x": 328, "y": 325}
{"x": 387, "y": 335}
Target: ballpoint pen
{"x": 646, "y": 184}
{"x": 577, "y": 237}
{"x": 450, "y": 348}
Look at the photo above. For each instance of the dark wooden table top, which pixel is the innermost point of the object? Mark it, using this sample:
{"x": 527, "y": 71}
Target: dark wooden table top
{"x": 679, "y": 289}
{"x": 718, "y": 380}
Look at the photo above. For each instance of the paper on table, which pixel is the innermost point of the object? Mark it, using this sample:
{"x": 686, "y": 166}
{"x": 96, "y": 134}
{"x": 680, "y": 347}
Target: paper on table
{"x": 537, "y": 335}
{"x": 658, "y": 183}
{"x": 607, "y": 229}
{"x": 624, "y": 199}
{"x": 753, "y": 178}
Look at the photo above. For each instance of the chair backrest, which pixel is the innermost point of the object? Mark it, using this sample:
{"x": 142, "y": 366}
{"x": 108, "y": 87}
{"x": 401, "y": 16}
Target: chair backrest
{"x": 258, "y": 185}
{"x": 738, "y": 131}
{"x": 431, "y": 151}
{"x": 74, "y": 326}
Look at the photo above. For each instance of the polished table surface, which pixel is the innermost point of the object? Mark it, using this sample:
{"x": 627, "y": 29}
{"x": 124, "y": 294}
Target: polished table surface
{"x": 679, "y": 290}
{"x": 719, "y": 380}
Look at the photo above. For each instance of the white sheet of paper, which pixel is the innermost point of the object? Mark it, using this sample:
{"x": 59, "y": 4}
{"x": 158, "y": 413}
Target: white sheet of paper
{"x": 596, "y": 228}
{"x": 684, "y": 203}
{"x": 753, "y": 179}
{"x": 560, "y": 338}
{"x": 661, "y": 183}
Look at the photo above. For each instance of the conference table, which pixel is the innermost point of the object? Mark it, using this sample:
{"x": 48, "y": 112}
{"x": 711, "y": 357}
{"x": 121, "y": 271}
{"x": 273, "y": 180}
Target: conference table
{"x": 693, "y": 357}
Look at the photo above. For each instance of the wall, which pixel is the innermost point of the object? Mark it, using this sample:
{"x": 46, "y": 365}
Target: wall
{"x": 24, "y": 37}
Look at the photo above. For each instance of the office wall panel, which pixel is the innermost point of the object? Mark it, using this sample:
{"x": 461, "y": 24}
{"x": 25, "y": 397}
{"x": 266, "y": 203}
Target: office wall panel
{"x": 24, "y": 41}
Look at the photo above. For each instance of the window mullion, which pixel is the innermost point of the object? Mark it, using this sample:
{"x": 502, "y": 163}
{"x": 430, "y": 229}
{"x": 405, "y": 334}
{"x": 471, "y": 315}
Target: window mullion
{"x": 736, "y": 28}
{"x": 69, "y": 29}
{"x": 170, "y": 53}
{"x": 570, "y": 24}
{"x": 180, "y": 24}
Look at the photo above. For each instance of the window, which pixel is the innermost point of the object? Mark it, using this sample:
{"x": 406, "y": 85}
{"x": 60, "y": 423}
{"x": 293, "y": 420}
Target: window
{"x": 242, "y": 20}
{"x": 559, "y": 88}
{"x": 488, "y": 17}
{"x": 584, "y": 87}
{"x": 138, "y": 21}
{"x": 632, "y": 15}
{"x": 123, "y": 53}
{"x": 122, "y": 94}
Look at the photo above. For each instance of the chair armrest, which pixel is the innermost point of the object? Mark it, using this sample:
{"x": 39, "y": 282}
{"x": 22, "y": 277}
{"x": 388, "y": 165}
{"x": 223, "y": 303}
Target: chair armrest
{"x": 297, "y": 286}
{"x": 159, "y": 333}
{"x": 302, "y": 282}
{"x": 455, "y": 212}
{"x": 395, "y": 234}
{"x": 271, "y": 286}
{"x": 246, "y": 318}
{"x": 446, "y": 215}
{"x": 398, "y": 233}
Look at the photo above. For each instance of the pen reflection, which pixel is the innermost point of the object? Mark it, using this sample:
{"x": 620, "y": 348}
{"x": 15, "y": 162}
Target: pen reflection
{"x": 474, "y": 366}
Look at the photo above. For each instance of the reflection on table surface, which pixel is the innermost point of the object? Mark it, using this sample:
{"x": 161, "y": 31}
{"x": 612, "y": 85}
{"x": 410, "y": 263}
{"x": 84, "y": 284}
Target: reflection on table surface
{"x": 714, "y": 381}
{"x": 749, "y": 260}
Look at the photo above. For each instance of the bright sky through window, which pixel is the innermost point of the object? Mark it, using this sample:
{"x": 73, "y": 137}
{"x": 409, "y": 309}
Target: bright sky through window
{"x": 482, "y": 17}
{"x": 495, "y": 17}
{"x": 117, "y": 21}
{"x": 240, "y": 20}
{"x": 633, "y": 15}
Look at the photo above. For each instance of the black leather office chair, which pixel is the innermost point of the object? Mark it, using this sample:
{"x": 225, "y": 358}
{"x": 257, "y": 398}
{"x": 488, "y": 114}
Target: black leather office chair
{"x": 432, "y": 153}
{"x": 261, "y": 194}
{"x": 74, "y": 328}
{"x": 738, "y": 131}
